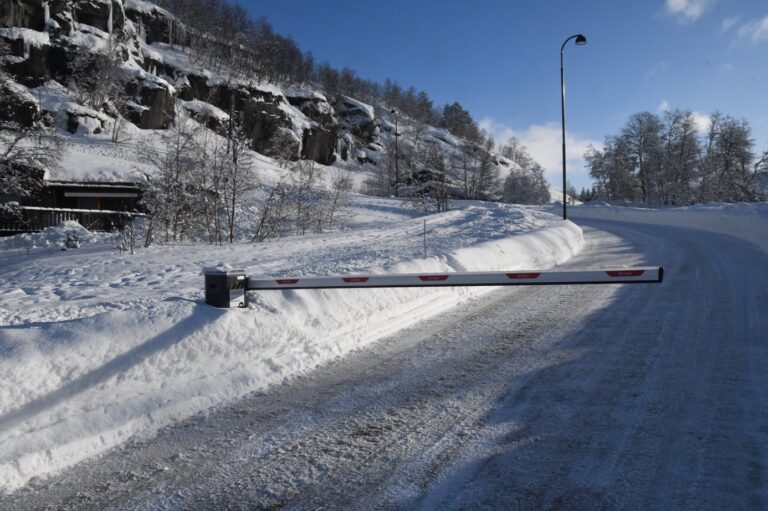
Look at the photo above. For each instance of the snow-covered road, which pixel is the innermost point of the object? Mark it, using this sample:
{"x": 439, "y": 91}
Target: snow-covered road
{"x": 630, "y": 397}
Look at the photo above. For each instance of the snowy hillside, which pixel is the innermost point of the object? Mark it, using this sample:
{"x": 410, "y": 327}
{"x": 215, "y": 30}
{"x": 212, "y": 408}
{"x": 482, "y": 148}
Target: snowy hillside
{"x": 108, "y": 78}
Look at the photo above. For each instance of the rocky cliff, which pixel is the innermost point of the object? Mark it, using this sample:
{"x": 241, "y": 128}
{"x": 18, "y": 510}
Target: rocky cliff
{"x": 136, "y": 54}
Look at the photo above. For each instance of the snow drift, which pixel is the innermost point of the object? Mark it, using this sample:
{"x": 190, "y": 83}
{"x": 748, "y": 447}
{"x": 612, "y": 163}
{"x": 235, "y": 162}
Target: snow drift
{"x": 102, "y": 348}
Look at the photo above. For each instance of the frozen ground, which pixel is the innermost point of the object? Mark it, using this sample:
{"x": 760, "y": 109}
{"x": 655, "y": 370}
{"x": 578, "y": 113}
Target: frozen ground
{"x": 573, "y": 397}
{"x": 98, "y": 347}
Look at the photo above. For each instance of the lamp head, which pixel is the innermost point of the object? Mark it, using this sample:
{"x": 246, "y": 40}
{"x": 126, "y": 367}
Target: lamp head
{"x": 581, "y": 40}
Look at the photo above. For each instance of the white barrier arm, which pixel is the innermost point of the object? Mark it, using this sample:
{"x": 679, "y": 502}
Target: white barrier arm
{"x": 645, "y": 275}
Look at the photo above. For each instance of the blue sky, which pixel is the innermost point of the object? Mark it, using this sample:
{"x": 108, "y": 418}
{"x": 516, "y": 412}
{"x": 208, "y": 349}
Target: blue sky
{"x": 500, "y": 59}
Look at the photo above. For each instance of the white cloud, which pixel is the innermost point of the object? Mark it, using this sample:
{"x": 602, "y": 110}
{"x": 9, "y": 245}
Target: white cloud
{"x": 755, "y": 30}
{"x": 727, "y": 67}
{"x": 729, "y": 23}
{"x": 702, "y": 122}
{"x": 688, "y": 10}
{"x": 544, "y": 144}
{"x": 657, "y": 70}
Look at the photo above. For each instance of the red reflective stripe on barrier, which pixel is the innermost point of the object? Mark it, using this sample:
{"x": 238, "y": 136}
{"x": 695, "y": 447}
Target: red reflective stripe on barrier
{"x": 523, "y": 275}
{"x": 355, "y": 279}
{"x": 429, "y": 278}
{"x": 287, "y": 281}
{"x": 625, "y": 273}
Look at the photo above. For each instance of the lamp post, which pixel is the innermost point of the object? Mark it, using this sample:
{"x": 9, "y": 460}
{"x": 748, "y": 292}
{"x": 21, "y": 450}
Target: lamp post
{"x": 397, "y": 167}
{"x": 580, "y": 41}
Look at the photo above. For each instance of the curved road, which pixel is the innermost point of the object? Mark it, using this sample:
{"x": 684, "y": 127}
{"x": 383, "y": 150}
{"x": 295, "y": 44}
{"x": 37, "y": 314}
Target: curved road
{"x": 575, "y": 397}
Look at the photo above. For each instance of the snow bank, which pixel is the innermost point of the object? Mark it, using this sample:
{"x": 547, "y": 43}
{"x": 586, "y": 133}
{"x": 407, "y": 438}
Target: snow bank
{"x": 55, "y": 237}
{"x": 748, "y": 222}
{"x": 140, "y": 350}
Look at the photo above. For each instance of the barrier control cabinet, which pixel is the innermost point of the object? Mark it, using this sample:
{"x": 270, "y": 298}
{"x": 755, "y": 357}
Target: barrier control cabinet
{"x": 226, "y": 288}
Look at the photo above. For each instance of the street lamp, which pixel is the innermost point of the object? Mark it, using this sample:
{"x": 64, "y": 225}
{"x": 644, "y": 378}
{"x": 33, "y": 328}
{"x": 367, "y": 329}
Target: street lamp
{"x": 580, "y": 41}
{"x": 397, "y": 167}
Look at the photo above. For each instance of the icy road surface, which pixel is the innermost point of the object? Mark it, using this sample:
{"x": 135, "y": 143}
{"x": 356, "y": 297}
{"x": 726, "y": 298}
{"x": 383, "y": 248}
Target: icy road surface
{"x": 577, "y": 397}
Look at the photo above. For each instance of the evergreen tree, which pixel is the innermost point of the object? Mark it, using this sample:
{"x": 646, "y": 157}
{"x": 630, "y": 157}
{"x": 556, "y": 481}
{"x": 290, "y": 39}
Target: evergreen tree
{"x": 456, "y": 119}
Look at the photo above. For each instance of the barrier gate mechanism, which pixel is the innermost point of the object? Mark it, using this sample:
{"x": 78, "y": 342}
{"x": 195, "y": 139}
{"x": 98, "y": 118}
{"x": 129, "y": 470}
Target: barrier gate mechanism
{"x": 646, "y": 275}
{"x": 225, "y": 288}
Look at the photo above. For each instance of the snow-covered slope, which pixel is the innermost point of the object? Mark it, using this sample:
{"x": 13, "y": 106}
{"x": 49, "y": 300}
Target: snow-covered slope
{"x": 155, "y": 79}
{"x": 556, "y": 196}
{"x": 97, "y": 346}
{"x": 746, "y": 221}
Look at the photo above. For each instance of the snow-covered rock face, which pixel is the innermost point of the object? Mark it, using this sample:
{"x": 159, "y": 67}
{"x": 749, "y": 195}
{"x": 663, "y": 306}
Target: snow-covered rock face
{"x": 29, "y": 53}
{"x": 319, "y": 140}
{"x": 158, "y": 74}
{"x": 46, "y": 37}
{"x": 154, "y": 108}
{"x": 313, "y": 105}
{"x": 359, "y": 123}
{"x": 213, "y": 118}
{"x": 356, "y": 116}
{"x": 106, "y": 15}
{"x": 17, "y": 104}
{"x": 155, "y": 24}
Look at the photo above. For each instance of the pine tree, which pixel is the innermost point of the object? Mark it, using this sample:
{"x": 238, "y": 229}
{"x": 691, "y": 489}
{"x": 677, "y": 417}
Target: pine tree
{"x": 458, "y": 121}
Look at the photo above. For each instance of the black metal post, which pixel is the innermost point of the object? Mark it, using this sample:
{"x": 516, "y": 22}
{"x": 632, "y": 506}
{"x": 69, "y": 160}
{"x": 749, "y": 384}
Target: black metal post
{"x": 580, "y": 40}
{"x": 397, "y": 165}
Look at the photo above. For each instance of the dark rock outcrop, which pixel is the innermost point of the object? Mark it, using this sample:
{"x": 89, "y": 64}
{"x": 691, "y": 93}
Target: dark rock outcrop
{"x": 158, "y": 102}
{"x": 17, "y": 107}
{"x": 219, "y": 124}
{"x": 265, "y": 115}
{"x": 22, "y": 13}
{"x": 261, "y": 121}
{"x": 92, "y": 13}
{"x": 356, "y": 117}
{"x": 315, "y": 107}
{"x": 61, "y": 14}
{"x": 33, "y": 70}
{"x": 158, "y": 26}
{"x": 196, "y": 88}
{"x": 318, "y": 144}
{"x": 258, "y": 112}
